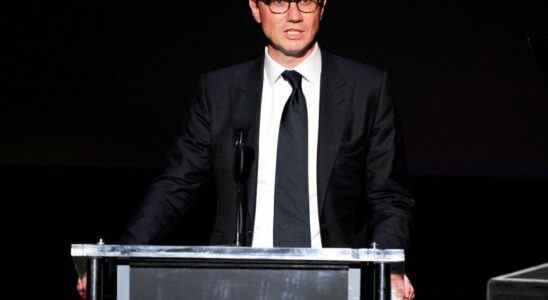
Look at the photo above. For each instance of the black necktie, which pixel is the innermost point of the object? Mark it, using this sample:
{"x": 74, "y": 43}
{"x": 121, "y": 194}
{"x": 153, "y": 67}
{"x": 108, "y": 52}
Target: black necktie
{"x": 291, "y": 216}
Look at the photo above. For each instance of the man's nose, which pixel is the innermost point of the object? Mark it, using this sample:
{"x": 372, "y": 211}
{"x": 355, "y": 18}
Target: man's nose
{"x": 294, "y": 14}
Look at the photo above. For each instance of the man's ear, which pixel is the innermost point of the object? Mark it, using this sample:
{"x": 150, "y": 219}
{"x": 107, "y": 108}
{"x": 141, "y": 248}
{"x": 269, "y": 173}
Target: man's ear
{"x": 323, "y": 8}
{"x": 254, "y": 6}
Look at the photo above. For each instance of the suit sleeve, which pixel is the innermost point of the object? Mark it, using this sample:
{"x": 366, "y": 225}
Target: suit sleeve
{"x": 389, "y": 203}
{"x": 171, "y": 194}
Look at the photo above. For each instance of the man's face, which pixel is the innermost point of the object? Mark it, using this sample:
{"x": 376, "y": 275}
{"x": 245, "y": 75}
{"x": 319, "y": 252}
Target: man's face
{"x": 291, "y": 33}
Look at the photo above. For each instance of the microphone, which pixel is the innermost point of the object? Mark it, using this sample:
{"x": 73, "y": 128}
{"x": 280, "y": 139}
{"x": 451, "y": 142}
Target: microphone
{"x": 241, "y": 173}
{"x": 239, "y": 155}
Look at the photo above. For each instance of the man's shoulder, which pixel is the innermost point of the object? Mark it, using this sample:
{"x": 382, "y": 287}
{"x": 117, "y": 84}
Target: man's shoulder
{"x": 234, "y": 72}
{"x": 346, "y": 66}
{"x": 352, "y": 67}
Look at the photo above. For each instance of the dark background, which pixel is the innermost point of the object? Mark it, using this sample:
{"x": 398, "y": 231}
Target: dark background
{"x": 94, "y": 92}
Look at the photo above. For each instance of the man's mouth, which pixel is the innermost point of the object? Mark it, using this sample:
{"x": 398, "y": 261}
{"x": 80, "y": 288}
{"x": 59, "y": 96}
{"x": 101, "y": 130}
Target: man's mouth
{"x": 294, "y": 33}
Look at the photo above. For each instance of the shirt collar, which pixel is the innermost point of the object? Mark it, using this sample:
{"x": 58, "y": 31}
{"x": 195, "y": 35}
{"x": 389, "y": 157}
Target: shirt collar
{"x": 310, "y": 68}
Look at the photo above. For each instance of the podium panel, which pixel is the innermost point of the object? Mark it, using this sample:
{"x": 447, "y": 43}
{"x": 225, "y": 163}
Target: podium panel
{"x": 237, "y": 284}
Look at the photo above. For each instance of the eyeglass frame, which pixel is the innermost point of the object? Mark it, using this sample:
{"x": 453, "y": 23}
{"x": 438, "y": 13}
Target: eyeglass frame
{"x": 319, "y": 4}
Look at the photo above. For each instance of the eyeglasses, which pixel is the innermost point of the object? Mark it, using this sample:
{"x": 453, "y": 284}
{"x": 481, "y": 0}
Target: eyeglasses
{"x": 282, "y": 6}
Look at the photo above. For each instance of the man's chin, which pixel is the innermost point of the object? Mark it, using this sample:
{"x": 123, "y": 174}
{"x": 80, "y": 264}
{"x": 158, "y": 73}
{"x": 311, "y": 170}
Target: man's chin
{"x": 296, "y": 52}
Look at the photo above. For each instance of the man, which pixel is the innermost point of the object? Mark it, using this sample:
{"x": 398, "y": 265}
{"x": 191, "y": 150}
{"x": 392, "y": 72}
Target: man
{"x": 324, "y": 148}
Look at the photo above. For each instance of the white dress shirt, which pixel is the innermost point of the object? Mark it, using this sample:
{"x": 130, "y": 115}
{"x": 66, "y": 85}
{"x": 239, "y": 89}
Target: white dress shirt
{"x": 276, "y": 92}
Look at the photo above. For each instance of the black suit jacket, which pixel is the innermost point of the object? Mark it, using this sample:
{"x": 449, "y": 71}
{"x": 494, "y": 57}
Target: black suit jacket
{"x": 360, "y": 198}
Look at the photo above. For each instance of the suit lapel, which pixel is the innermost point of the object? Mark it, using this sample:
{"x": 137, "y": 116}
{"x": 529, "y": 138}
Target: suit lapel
{"x": 332, "y": 119}
{"x": 246, "y": 109}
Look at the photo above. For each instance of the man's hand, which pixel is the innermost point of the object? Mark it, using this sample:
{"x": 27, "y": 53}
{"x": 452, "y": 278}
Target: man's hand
{"x": 401, "y": 287}
{"x": 81, "y": 286}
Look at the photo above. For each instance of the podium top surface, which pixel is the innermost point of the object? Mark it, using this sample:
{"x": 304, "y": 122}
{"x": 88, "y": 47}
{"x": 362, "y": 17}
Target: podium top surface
{"x": 342, "y": 255}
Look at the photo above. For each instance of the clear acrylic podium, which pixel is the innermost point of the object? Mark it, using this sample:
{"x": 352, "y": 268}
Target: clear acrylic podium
{"x": 124, "y": 272}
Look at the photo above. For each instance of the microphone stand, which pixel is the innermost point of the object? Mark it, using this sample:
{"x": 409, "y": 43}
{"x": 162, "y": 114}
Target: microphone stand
{"x": 240, "y": 176}
{"x": 240, "y": 223}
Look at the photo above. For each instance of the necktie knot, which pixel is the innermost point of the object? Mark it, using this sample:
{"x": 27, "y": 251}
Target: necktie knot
{"x": 294, "y": 78}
